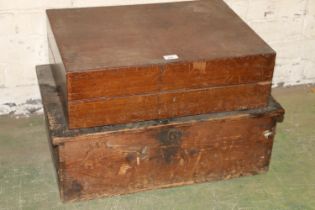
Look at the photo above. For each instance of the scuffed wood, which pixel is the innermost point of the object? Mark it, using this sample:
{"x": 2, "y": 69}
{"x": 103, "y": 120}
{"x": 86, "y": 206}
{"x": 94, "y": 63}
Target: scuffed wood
{"x": 121, "y": 159}
{"x": 128, "y": 161}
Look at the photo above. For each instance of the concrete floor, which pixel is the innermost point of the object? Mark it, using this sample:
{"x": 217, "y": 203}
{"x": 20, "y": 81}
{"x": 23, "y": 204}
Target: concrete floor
{"x": 27, "y": 177}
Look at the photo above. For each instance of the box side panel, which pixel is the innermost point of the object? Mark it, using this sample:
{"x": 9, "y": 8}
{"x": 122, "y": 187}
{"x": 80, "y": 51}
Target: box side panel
{"x": 167, "y": 104}
{"x": 171, "y": 155}
{"x": 169, "y": 77}
{"x": 51, "y": 126}
{"x": 114, "y": 82}
{"x": 220, "y": 72}
{"x": 58, "y": 69}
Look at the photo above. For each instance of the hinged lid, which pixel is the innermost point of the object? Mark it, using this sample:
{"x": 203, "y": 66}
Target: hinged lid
{"x": 139, "y": 35}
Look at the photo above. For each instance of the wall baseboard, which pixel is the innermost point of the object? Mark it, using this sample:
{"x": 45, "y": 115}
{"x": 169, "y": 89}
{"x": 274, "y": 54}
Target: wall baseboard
{"x": 23, "y": 100}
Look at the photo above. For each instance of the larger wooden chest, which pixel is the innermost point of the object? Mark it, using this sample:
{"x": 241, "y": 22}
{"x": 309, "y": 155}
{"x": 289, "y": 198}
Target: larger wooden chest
{"x": 119, "y": 159}
{"x": 131, "y": 63}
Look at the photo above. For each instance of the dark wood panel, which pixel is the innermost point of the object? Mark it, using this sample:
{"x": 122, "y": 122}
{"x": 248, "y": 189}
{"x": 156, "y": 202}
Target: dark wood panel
{"x": 120, "y": 159}
{"x": 174, "y": 76}
{"x": 185, "y": 153}
{"x": 113, "y": 82}
{"x": 164, "y": 105}
{"x": 220, "y": 72}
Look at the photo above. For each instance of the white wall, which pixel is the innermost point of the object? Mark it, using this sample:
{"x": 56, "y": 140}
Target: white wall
{"x": 287, "y": 25}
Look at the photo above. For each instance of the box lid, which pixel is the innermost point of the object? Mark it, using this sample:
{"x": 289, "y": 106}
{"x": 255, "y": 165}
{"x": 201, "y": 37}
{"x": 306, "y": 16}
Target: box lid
{"x": 122, "y": 36}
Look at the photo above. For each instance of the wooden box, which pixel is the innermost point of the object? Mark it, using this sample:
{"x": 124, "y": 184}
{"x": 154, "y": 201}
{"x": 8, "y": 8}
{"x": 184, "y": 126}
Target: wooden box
{"x": 120, "y": 159}
{"x": 125, "y": 64}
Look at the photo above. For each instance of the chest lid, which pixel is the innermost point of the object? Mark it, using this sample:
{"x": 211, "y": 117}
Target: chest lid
{"x": 146, "y": 49}
{"x": 136, "y": 35}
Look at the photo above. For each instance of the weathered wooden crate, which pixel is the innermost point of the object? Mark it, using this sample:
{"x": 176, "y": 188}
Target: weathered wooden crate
{"x": 127, "y": 158}
{"x": 125, "y": 64}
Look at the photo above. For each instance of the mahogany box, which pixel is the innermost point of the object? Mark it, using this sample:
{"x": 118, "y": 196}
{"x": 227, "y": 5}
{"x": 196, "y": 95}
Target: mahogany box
{"x": 122, "y": 64}
{"x": 126, "y": 158}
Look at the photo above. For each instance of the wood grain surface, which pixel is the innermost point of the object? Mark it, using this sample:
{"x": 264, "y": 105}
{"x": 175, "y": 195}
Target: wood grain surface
{"x": 111, "y": 67}
{"x": 119, "y": 110}
{"x": 120, "y": 159}
{"x": 101, "y": 38}
{"x": 174, "y": 76}
{"x": 170, "y": 155}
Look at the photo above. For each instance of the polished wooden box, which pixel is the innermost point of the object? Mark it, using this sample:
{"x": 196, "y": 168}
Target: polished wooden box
{"x": 119, "y": 159}
{"x": 124, "y": 64}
